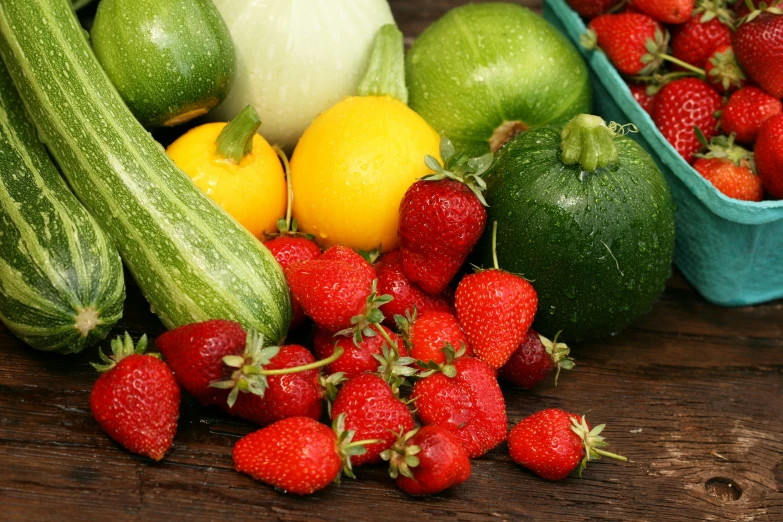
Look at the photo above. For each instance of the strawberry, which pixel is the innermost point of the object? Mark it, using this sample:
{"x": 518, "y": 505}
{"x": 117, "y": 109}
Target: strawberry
{"x": 642, "y": 95}
{"x": 682, "y": 105}
{"x": 697, "y": 38}
{"x": 343, "y": 253}
{"x": 496, "y": 309}
{"x": 406, "y": 295}
{"x": 297, "y": 455}
{"x": 463, "y": 397}
{"x": 592, "y": 8}
{"x": 758, "y": 44}
{"x": 428, "y": 333}
{"x": 288, "y": 250}
{"x": 665, "y": 11}
{"x": 372, "y": 411}
{"x": 195, "y": 352}
{"x": 136, "y": 399}
{"x": 427, "y": 460}
{"x": 357, "y": 358}
{"x": 745, "y": 112}
{"x": 729, "y": 168}
{"x": 723, "y": 71}
{"x": 299, "y": 393}
{"x": 442, "y": 217}
{"x": 633, "y": 42}
{"x": 332, "y": 292}
{"x": 769, "y": 155}
{"x": 534, "y": 359}
{"x": 552, "y": 443}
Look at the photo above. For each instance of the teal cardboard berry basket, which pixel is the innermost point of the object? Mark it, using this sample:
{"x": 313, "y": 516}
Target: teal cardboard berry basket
{"x": 730, "y": 250}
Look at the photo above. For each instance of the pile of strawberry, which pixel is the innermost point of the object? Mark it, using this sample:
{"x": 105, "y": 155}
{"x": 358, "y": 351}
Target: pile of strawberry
{"x": 724, "y": 78}
{"x": 390, "y": 337}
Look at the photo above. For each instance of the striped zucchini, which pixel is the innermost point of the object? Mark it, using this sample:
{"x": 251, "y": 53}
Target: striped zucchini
{"x": 61, "y": 282}
{"x": 192, "y": 261}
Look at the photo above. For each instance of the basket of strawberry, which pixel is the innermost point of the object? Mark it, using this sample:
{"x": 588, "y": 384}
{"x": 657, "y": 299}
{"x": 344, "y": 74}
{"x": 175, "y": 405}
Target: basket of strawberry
{"x": 702, "y": 81}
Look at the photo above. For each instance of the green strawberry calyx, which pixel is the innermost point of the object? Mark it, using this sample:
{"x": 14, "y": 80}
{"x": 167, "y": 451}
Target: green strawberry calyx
{"x": 347, "y": 447}
{"x": 402, "y": 456}
{"x": 726, "y": 70}
{"x": 122, "y": 347}
{"x": 711, "y": 9}
{"x": 249, "y": 375}
{"x": 392, "y": 368}
{"x": 367, "y": 324}
{"x": 773, "y": 7}
{"x": 593, "y": 442}
{"x": 446, "y": 368}
{"x": 724, "y": 148}
{"x": 331, "y": 386}
{"x": 559, "y": 352}
{"x": 457, "y": 166}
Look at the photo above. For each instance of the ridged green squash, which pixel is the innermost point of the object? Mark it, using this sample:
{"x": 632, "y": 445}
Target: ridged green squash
{"x": 171, "y": 60}
{"x": 192, "y": 261}
{"x": 595, "y": 236}
{"x": 61, "y": 281}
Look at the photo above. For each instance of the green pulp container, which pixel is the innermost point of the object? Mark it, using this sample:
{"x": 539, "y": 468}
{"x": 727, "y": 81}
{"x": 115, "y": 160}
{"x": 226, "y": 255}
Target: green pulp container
{"x": 730, "y": 250}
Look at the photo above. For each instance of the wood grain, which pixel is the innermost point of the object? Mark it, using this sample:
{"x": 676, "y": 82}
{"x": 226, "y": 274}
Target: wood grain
{"x": 692, "y": 395}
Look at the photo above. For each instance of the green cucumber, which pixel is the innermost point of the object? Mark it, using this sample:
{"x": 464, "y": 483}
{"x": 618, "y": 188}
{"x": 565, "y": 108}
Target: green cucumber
{"x": 170, "y": 60}
{"x": 61, "y": 281}
{"x": 192, "y": 261}
{"x": 587, "y": 217}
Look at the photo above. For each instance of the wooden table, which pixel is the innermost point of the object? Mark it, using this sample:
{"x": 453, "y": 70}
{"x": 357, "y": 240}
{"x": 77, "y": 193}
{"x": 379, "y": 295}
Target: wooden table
{"x": 692, "y": 394}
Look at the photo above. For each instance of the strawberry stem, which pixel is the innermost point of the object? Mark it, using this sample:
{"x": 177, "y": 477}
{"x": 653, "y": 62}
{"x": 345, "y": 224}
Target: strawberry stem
{"x": 610, "y": 455}
{"x": 288, "y": 184}
{"x": 681, "y": 63}
{"x": 357, "y": 443}
{"x": 338, "y": 352}
{"x": 495, "y": 244}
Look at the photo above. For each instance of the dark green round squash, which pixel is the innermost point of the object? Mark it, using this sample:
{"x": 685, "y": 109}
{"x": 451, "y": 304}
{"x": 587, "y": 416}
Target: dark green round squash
{"x": 595, "y": 236}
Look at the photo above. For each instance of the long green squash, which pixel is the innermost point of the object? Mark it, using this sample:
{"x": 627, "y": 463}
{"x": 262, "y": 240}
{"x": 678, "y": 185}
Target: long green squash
{"x": 191, "y": 260}
{"x": 61, "y": 281}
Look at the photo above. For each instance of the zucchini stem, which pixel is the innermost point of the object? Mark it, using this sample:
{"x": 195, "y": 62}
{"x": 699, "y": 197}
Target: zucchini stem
{"x": 385, "y": 74}
{"x": 235, "y": 141}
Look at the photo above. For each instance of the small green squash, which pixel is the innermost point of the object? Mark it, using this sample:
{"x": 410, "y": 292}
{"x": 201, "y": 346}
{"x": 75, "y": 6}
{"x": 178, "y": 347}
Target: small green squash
{"x": 586, "y": 215}
{"x": 170, "y": 60}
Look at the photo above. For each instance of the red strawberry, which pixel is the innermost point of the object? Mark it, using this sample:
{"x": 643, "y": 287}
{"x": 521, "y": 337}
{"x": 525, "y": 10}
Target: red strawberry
{"x": 758, "y": 45}
{"x": 592, "y": 8}
{"x": 552, "y": 443}
{"x": 694, "y": 41}
{"x": 428, "y": 333}
{"x": 357, "y": 358}
{"x": 729, "y": 168}
{"x": 496, "y": 309}
{"x": 769, "y": 155}
{"x": 665, "y": 11}
{"x": 723, "y": 71}
{"x": 331, "y": 292}
{"x": 427, "y": 460}
{"x": 343, "y": 253}
{"x": 682, "y": 105}
{"x": 372, "y": 411}
{"x": 136, "y": 399}
{"x": 297, "y": 455}
{"x": 632, "y": 41}
{"x": 287, "y": 250}
{"x": 464, "y": 398}
{"x": 195, "y": 352}
{"x": 643, "y": 97}
{"x": 298, "y": 394}
{"x": 746, "y": 111}
{"x": 442, "y": 217}
{"x": 534, "y": 359}
{"x": 406, "y": 295}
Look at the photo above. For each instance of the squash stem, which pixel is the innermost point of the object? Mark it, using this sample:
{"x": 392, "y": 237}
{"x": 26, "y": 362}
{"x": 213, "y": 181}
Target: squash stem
{"x": 587, "y": 141}
{"x": 386, "y": 73}
{"x": 235, "y": 141}
{"x": 338, "y": 352}
{"x": 288, "y": 184}
{"x": 495, "y": 245}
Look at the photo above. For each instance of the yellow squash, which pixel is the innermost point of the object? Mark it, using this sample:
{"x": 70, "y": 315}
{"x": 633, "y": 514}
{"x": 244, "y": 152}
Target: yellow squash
{"x": 244, "y": 175}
